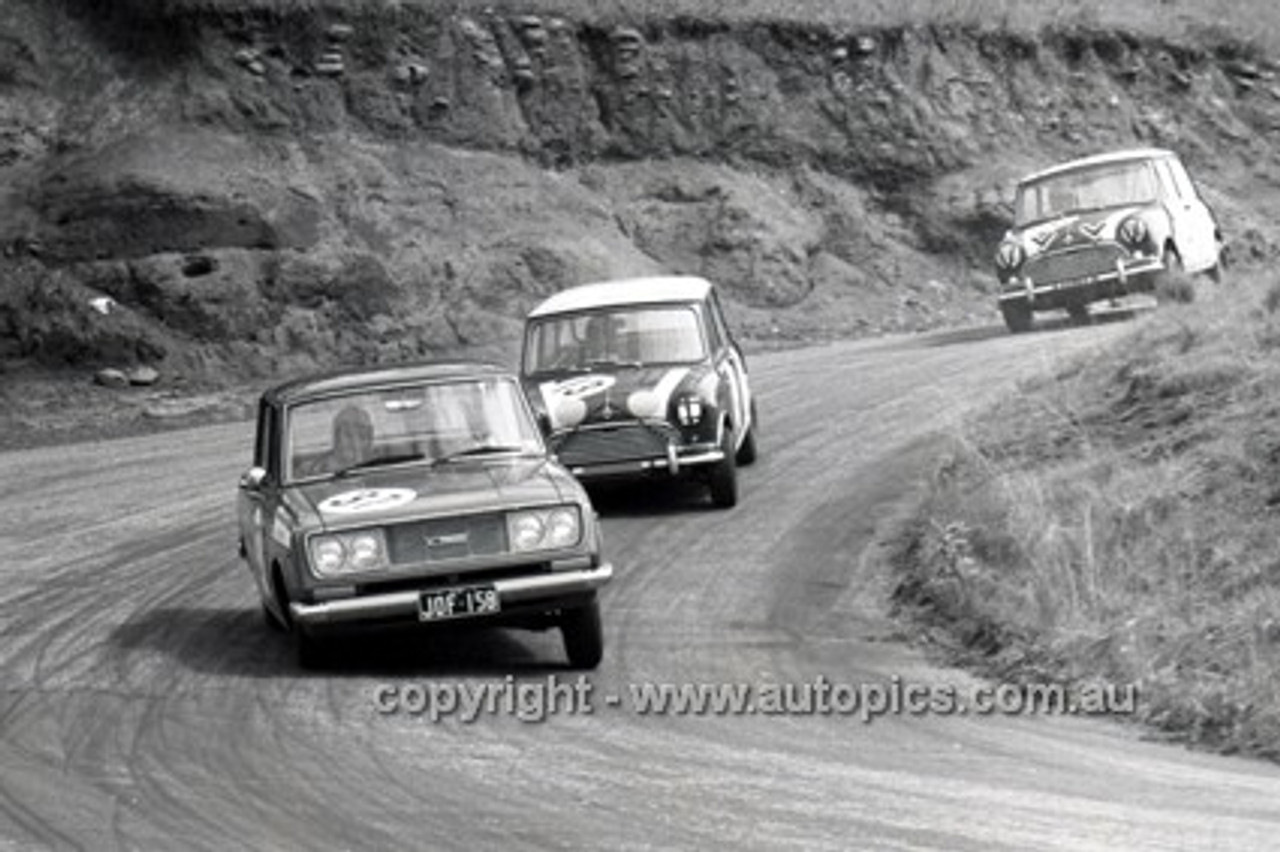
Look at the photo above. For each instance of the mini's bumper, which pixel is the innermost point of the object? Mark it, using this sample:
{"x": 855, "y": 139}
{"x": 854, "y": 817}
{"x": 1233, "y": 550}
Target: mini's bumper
{"x": 1136, "y": 276}
{"x": 401, "y": 606}
{"x": 677, "y": 458}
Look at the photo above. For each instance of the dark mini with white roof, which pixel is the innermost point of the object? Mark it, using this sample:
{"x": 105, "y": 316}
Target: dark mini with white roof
{"x": 641, "y": 377}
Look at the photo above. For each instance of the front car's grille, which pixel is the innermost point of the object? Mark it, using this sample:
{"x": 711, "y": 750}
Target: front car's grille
{"x": 629, "y": 441}
{"x": 442, "y": 539}
{"x": 1073, "y": 263}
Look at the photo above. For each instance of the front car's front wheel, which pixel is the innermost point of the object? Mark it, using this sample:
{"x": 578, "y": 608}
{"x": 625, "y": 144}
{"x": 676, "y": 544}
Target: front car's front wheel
{"x": 583, "y": 635}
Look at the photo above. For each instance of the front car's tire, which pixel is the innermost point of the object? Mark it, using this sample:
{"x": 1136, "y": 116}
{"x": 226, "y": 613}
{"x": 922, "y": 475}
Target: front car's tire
{"x": 312, "y": 650}
{"x": 583, "y": 635}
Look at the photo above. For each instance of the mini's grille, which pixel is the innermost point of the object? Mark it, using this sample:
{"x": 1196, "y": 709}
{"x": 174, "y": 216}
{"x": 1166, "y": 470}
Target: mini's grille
{"x": 602, "y": 445}
{"x": 1072, "y": 264}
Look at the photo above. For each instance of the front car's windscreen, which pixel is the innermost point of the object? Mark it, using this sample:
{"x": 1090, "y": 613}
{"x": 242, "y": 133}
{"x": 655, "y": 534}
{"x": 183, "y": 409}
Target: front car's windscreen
{"x": 424, "y": 422}
{"x": 1093, "y": 188}
{"x": 617, "y": 336}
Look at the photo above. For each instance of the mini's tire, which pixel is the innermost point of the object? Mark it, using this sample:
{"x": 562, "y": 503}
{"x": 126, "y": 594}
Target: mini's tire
{"x": 583, "y": 635}
{"x": 1170, "y": 283}
{"x": 1017, "y": 316}
{"x": 723, "y": 480}
{"x": 1079, "y": 314}
{"x": 747, "y": 452}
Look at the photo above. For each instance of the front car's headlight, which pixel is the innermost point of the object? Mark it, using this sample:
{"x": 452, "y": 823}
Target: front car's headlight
{"x": 1009, "y": 259}
{"x": 337, "y": 554}
{"x": 544, "y": 529}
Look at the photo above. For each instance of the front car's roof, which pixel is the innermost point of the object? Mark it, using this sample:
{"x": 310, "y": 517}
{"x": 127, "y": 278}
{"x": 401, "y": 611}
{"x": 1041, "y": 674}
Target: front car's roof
{"x": 350, "y": 379}
{"x": 627, "y": 291}
{"x": 1099, "y": 160}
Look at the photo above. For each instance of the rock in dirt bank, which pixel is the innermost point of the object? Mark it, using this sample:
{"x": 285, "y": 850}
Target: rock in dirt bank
{"x": 261, "y": 193}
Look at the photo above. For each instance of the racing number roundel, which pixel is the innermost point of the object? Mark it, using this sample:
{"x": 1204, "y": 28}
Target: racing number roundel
{"x": 367, "y": 500}
{"x": 580, "y": 386}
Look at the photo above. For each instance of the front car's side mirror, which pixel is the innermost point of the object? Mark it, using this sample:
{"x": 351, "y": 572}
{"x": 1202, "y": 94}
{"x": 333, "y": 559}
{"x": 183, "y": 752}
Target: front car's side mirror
{"x": 252, "y": 479}
{"x": 544, "y": 423}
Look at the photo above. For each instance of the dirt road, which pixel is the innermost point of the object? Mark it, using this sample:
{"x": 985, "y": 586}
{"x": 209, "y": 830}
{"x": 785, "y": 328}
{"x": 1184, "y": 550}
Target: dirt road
{"x": 144, "y": 704}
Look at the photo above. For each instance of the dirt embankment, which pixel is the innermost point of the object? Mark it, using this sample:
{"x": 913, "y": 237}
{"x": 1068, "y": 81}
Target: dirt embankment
{"x": 254, "y": 195}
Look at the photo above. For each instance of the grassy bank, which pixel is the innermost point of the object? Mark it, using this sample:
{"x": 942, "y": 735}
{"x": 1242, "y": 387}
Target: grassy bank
{"x": 1116, "y": 522}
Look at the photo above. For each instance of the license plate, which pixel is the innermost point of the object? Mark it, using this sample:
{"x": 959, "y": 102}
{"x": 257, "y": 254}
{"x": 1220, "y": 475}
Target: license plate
{"x": 458, "y": 603}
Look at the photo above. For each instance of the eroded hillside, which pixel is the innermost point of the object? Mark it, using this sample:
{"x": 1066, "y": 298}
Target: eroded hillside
{"x": 257, "y": 194}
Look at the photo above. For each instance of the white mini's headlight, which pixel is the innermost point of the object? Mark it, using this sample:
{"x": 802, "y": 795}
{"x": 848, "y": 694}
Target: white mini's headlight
{"x": 327, "y": 555}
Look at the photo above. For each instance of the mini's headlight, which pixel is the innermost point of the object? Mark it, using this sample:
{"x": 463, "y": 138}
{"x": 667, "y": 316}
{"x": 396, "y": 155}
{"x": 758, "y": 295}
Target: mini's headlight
{"x": 345, "y": 553}
{"x": 1009, "y": 259}
{"x": 1134, "y": 234}
{"x": 689, "y": 410}
{"x": 544, "y": 529}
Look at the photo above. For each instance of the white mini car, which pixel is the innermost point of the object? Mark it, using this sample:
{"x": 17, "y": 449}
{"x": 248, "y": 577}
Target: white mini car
{"x": 1100, "y": 228}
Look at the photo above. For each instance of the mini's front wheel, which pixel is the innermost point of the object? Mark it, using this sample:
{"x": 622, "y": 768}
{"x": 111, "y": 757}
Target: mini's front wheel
{"x": 724, "y": 477}
{"x": 1017, "y": 316}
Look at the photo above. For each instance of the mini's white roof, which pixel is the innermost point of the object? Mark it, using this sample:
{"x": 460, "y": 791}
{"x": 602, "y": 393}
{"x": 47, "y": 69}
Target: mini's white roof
{"x": 627, "y": 291}
{"x": 1100, "y": 159}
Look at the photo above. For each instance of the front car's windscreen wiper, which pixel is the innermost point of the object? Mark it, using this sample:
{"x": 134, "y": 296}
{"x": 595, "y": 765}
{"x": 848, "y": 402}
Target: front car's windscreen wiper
{"x": 379, "y": 461}
{"x": 480, "y": 450}
{"x": 612, "y": 362}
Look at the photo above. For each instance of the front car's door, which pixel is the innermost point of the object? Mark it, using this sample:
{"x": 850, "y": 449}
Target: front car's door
{"x": 259, "y": 495}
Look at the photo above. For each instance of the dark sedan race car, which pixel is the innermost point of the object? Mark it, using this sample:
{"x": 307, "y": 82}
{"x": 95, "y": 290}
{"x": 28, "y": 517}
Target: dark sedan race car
{"x": 416, "y": 495}
{"x": 641, "y": 378}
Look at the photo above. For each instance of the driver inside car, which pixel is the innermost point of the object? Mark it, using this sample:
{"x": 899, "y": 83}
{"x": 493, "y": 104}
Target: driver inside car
{"x": 352, "y": 443}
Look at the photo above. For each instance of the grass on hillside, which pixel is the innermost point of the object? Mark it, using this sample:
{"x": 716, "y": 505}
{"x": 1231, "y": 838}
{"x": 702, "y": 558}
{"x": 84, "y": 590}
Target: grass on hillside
{"x": 1116, "y": 522}
{"x": 1256, "y": 21}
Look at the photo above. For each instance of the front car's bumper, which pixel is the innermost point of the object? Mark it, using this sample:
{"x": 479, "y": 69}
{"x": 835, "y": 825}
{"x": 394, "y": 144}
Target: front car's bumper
{"x": 1134, "y": 276}
{"x": 514, "y": 593}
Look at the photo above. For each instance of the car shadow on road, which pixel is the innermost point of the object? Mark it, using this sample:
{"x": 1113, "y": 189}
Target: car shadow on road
{"x": 649, "y": 497}
{"x": 237, "y": 642}
{"x": 1043, "y": 324}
